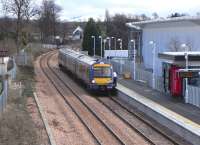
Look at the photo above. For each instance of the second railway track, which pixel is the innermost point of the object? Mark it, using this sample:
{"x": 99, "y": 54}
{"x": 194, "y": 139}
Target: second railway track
{"x": 60, "y": 85}
{"x": 98, "y": 130}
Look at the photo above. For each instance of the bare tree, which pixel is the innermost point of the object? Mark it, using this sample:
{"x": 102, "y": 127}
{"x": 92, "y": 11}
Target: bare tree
{"x": 49, "y": 14}
{"x": 174, "y": 45}
{"x": 22, "y": 10}
{"x": 155, "y": 15}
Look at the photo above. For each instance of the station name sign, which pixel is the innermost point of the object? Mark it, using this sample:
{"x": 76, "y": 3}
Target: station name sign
{"x": 191, "y": 73}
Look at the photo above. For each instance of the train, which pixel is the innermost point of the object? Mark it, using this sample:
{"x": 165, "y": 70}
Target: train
{"x": 94, "y": 73}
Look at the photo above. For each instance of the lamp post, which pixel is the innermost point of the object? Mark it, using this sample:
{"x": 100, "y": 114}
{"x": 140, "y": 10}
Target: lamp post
{"x": 134, "y": 59}
{"x": 115, "y": 42}
{"x": 104, "y": 46}
{"x": 94, "y": 45}
{"x": 109, "y": 46}
{"x": 109, "y": 42}
{"x": 186, "y": 80}
{"x": 120, "y": 40}
{"x": 154, "y": 56}
{"x": 186, "y": 67}
{"x": 100, "y": 37}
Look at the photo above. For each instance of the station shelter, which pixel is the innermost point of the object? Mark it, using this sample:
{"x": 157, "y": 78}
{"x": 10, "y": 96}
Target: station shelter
{"x": 176, "y": 69}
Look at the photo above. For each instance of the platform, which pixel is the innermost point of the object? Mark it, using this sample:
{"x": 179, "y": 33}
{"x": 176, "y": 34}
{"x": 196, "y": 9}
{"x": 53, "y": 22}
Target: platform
{"x": 183, "y": 119}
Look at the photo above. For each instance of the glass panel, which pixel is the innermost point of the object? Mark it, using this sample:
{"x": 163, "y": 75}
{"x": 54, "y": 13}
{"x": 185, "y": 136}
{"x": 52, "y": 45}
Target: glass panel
{"x": 102, "y": 72}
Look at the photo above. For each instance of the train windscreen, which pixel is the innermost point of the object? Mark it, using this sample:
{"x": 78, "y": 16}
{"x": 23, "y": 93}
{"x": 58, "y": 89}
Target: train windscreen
{"x": 102, "y": 72}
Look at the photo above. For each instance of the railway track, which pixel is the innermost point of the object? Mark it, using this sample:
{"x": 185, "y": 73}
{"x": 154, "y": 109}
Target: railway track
{"x": 59, "y": 82}
{"x": 145, "y": 136}
{"x": 104, "y": 137}
{"x": 118, "y": 136}
{"x": 111, "y": 103}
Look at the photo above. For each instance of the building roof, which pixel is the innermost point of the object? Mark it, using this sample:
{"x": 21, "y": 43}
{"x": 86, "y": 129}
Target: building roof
{"x": 162, "y": 20}
{"x": 78, "y": 29}
{"x": 180, "y": 56}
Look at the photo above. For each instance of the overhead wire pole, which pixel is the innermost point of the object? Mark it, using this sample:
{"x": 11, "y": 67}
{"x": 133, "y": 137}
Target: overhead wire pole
{"x": 186, "y": 67}
{"x": 154, "y": 55}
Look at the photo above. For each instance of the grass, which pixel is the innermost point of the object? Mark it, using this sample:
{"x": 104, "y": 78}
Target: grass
{"x": 16, "y": 124}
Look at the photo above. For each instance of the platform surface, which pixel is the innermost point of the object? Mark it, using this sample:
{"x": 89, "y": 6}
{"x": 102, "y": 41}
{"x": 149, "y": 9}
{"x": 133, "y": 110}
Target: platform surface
{"x": 187, "y": 116}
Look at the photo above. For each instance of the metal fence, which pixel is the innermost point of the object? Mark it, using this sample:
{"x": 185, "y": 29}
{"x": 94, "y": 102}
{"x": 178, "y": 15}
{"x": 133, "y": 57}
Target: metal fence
{"x": 13, "y": 72}
{"x": 194, "y": 95}
{"x": 122, "y": 65}
{"x": 3, "y": 95}
{"x": 142, "y": 75}
{"x": 4, "y": 83}
{"x": 23, "y": 59}
{"x": 26, "y": 56}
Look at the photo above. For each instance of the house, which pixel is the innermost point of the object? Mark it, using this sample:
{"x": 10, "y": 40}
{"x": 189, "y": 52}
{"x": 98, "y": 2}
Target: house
{"x": 77, "y": 33}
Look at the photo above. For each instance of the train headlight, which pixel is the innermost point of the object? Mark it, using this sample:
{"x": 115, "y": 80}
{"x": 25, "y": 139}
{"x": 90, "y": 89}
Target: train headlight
{"x": 93, "y": 81}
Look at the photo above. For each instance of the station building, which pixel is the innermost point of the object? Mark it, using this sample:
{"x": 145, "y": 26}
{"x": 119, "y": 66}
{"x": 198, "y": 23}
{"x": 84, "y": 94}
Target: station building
{"x": 171, "y": 39}
{"x": 168, "y": 35}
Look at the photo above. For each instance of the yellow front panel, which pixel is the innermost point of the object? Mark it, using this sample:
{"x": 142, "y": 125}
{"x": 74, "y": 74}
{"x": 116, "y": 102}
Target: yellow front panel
{"x": 102, "y": 81}
{"x": 102, "y": 65}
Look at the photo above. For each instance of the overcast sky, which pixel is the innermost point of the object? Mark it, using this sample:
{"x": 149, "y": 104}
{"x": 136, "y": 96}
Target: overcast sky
{"x": 96, "y": 8}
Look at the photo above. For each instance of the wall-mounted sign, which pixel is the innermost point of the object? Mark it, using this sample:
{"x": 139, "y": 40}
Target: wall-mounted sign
{"x": 189, "y": 73}
{"x": 3, "y": 53}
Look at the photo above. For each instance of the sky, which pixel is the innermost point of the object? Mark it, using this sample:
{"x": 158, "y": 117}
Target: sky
{"x": 83, "y": 9}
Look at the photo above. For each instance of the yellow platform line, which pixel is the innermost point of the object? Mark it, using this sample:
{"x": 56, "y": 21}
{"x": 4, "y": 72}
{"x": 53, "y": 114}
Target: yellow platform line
{"x": 173, "y": 116}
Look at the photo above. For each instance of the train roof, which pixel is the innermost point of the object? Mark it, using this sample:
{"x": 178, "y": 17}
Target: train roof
{"x": 79, "y": 56}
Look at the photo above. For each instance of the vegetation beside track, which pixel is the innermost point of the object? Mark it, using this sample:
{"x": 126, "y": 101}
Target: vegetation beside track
{"x": 17, "y": 126}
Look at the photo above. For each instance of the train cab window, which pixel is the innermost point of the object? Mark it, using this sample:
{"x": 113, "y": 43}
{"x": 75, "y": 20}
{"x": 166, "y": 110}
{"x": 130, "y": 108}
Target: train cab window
{"x": 102, "y": 72}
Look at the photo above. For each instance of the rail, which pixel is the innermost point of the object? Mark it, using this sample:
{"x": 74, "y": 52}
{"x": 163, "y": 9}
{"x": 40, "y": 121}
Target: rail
{"x": 67, "y": 102}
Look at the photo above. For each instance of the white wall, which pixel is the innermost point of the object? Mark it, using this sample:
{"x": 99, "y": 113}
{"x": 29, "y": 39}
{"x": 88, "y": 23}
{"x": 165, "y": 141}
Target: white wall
{"x": 3, "y": 65}
{"x": 163, "y": 35}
